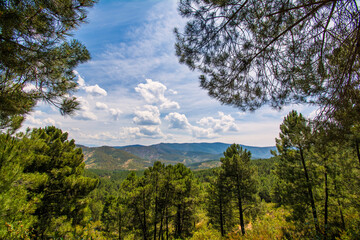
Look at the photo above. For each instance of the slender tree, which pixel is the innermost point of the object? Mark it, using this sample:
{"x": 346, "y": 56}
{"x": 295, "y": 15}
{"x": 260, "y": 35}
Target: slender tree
{"x": 293, "y": 168}
{"x": 219, "y": 202}
{"x": 237, "y": 168}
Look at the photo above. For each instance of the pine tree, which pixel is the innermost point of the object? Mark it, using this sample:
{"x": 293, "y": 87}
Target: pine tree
{"x": 237, "y": 168}
{"x": 15, "y": 208}
{"x": 219, "y": 202}
{"x": 296, "y": 174}
{"x": 60, "y": 186}
{"x": 36, "y": 59}
{"x": 184, "y": 202}
{"x": 274, "y": 52}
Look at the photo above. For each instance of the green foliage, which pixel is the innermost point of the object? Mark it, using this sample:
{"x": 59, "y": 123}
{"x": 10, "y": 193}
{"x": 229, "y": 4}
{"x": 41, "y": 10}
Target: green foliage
{"x": 219, "y": 203}
{"x": 278, "y": 52}
{"x": 60, "y": 185}
{"x": 15, "y": 209}
{"x": 36, "y": 60}
{"x": 110, "y": 158}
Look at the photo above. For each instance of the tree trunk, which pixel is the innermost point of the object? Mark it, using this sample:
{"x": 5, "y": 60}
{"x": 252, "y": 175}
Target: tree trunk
{"x": 221, "y": 215}
{"x": 120, "y": 220}
{"x": 167, "y": 224}
{"x": 326, "y": 203}
{"x": 156, "y": 210}
{"x": 178, "y": 222}
{"x": 357, "y": 149}
{"x": 241, "y": 214}
{"x": 340, "y": 206}
{"x": 311, "y": 196}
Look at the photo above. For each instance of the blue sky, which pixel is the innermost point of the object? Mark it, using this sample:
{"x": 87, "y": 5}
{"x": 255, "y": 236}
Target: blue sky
{"x": 134, "y": 91}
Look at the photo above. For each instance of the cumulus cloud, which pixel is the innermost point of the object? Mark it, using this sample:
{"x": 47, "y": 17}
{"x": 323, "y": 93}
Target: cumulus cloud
{"x": 154, "y": 93}
{"x": 142, "y": 131}
{"x": 225, "y": 123}
{"x": 149, "y": 116}
{"x": 29, "y": 87}
{"x": 101, "y": 106}
{"x": 80, "y": 80}
{"x": 84, "y": 113}
{"x": 51, "y": 122}
{"x": 32, "y": 120}
{"x": 94, "y": 90}
{"x": 103, "y": 136}
{"x": 170, "y": 105}
{"x": 202, "y": 132}
{"x": 180, "y": 121}
{"x": 115, "y": 113}
{"x": 151, "y": 131}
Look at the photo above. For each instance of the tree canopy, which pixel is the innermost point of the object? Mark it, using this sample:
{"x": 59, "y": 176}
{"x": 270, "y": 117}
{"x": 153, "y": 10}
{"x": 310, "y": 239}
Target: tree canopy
{"x": 274, "y": 52}
{"x": 36, "y": 56}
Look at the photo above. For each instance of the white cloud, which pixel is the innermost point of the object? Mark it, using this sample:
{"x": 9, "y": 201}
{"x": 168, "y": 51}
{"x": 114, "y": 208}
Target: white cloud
{"x": 32, "y": 120}
{"x": 225, "y": 123}
{"x": 80, "y": 80}
{"x": 154, "y": 93}
{"x": 29, "y": 87}
{"x": 173, "y": 91}
{"x": 314, "y": 114}
{"x": 86, "y": 116}
{"x": 202, "y": 132}
{"x": 178, "y": 121}
{"x": 101, "y": 106}
{"x": 103, "y": 136}
{"x": 170, "y": 105}
{"x": 149, "y": 116}
{"x": 51, "y": 122}
{"x": 84, "y": 113}
{"x": 95, "y": 90}
{"x": 151, "y": 131}
{"x": 115, "y": 113}
{"x": 141, "y": 132}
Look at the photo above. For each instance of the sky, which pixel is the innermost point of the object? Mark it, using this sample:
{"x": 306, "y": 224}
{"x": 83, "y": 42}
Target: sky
{"x": 134, "y": 91}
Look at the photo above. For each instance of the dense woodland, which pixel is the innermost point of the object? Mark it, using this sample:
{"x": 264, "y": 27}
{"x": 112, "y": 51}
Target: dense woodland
{"x": 308, "y": 190}
{"x": 251, "y": 53}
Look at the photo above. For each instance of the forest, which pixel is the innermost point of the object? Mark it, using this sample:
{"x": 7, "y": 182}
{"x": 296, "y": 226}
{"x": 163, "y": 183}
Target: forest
{"x": 308, "y": 190}
{"x": 250, "y": 54}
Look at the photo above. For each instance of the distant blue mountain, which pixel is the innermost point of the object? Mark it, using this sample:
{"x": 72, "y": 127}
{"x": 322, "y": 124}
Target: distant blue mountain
{"x": 188, "y": 153}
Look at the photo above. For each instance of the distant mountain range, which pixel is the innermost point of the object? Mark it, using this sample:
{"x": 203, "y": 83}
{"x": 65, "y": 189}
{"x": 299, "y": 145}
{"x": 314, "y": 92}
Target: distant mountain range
{"x": 134, "y": 157}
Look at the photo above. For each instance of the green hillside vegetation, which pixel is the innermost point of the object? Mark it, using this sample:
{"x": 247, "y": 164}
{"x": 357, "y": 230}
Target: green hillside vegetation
{"x": 140, "y": 157}
{"x": 109, "y": 158}
{"x": 204, "y": 165}
{"x": 188, "y": 153}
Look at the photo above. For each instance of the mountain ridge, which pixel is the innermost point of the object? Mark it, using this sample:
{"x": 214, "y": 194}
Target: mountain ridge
{"x": 135, "y": 157}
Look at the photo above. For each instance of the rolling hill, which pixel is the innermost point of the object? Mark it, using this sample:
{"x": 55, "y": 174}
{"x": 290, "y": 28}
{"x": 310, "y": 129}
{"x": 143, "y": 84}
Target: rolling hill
{"x": 109, "y": 158}
{"x": 190, "y": 152}
{"x": 136, "y": 157}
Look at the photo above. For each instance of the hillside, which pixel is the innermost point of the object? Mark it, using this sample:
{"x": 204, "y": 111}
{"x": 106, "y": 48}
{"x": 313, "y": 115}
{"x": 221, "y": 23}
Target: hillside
{"x": 190, "y": 152}
{"x": 109, "y": 158}
{"x": 137, "y": 157}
